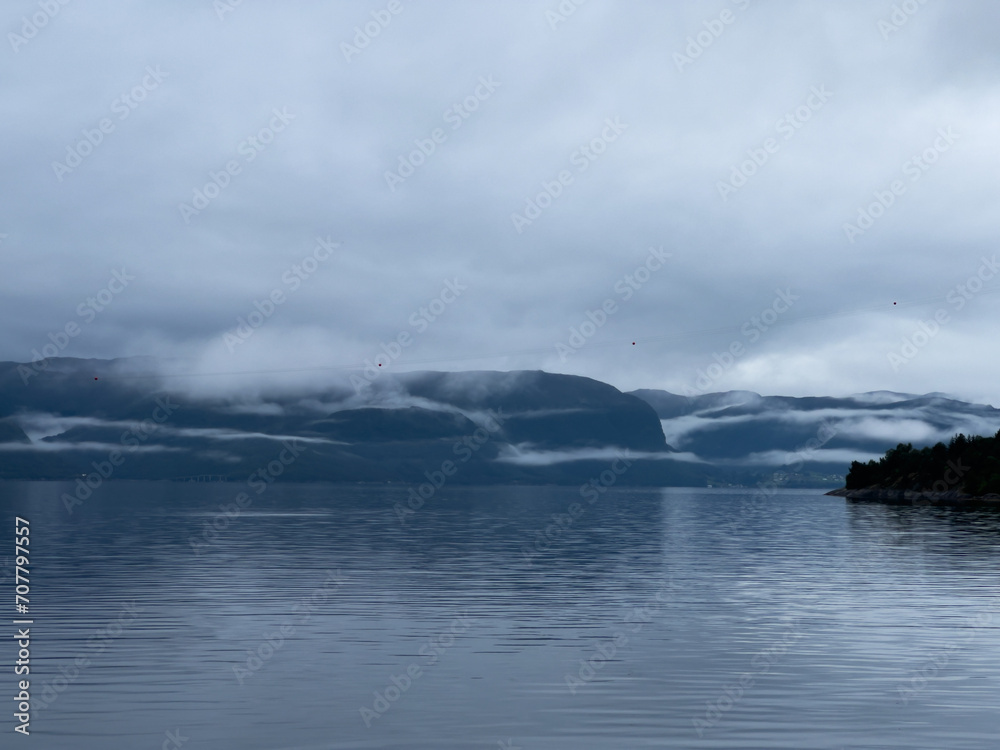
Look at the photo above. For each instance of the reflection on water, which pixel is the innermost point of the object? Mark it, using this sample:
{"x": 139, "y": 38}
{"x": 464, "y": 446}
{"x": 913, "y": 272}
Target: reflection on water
{"x": 507, "y": 617}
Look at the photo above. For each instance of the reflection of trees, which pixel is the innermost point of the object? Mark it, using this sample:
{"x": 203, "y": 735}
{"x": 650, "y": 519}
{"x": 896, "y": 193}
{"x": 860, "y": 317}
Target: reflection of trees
{"x": 950, "y": 536}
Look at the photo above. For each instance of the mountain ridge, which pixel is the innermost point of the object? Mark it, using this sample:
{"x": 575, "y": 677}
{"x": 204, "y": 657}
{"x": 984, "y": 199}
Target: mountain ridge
{"x": 70, "y": 414}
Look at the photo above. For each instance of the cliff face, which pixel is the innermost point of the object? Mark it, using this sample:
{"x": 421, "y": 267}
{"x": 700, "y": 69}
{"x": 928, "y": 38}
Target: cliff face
{"x": 549, "y": 411}
{"x": 527, "y": 426}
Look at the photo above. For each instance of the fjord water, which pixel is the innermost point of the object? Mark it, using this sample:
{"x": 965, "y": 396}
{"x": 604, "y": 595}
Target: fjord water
{"x": 677, "y": 618}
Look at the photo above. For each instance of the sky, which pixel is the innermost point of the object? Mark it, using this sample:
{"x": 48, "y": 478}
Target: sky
{"x": 793, "y": 198}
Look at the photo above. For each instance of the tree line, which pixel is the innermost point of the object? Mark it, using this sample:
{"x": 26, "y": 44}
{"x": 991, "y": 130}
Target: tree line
{"x": 966, "y": 464}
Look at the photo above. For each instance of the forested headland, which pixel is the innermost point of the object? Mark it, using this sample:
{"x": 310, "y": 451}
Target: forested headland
{"x": 970, "y": 465}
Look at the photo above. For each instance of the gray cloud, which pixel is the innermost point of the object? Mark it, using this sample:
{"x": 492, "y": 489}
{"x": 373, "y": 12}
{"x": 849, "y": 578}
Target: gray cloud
{"x": 323, "y": 175}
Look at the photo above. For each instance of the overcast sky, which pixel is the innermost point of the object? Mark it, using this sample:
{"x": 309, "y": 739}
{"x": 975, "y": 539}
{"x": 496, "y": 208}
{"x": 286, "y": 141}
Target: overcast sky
{"x": 628, "y": 118}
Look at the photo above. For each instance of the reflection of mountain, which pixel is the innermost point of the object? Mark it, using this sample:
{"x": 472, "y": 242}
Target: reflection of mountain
{"x": 494, "y": 427}
{"x": 894, "y": 531}
{"x": 494, "y": 533}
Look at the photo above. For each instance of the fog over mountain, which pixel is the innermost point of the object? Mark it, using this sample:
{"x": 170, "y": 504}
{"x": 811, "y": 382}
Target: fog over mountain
{"x": 63, "y": 418}
{"x": 509, "y": 185}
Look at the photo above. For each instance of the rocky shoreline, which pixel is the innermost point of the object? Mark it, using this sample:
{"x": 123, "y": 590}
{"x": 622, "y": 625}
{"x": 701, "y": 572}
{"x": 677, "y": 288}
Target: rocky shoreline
{"x": 915, "y": 497}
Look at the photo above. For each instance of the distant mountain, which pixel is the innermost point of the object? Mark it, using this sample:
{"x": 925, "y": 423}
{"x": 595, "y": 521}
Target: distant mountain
{"x": 74, "y": 417}
{"x": 10, "y": 432}
{"x": 745, "y": 429}
{"x": 527, "y": 427}
{"x": 547, "y": 411}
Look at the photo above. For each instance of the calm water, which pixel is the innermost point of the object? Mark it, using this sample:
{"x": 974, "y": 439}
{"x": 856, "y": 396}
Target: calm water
{"x": 658, "y": 618}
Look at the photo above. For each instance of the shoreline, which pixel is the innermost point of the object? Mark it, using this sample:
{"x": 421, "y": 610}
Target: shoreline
{"x": 913, "y": 497}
